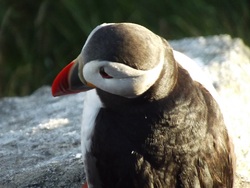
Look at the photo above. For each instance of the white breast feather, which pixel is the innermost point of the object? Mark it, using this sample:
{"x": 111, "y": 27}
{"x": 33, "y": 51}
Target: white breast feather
{"x": 91, "y": 107}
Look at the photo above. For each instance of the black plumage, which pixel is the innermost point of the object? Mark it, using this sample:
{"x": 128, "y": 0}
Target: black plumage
{"x": 163, "y": 139}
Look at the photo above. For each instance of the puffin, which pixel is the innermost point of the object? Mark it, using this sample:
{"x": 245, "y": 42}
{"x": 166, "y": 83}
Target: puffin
{"x": 146, "y": 122}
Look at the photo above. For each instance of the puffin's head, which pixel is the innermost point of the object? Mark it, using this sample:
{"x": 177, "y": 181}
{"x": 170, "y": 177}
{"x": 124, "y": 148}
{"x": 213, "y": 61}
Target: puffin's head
{"x": 123, "y": 59}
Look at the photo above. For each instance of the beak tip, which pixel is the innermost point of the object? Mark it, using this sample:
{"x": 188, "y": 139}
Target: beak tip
{"x": 59, "y": 86}
{"x": 54, "y": 92}
{"x": 61, "y": 83}
{"x": 55, "y": 89}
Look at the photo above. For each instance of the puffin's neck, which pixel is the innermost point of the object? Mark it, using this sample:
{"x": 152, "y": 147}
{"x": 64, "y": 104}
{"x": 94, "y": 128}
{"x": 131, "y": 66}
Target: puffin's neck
{"x": 165, "y": 83}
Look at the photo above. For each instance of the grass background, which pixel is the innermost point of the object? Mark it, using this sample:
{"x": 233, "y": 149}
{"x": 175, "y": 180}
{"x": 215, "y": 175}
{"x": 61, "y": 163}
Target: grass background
{"x": 39, "y": 37}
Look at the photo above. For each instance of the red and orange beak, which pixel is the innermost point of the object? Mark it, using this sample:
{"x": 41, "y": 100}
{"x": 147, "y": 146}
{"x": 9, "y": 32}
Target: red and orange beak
{"x": 69, "y": 82}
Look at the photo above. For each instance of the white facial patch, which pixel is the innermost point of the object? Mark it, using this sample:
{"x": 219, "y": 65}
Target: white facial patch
{"x": 126, "y": 81}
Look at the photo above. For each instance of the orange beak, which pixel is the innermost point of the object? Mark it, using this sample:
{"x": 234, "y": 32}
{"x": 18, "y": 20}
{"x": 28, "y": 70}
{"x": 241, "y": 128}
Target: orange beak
{"x": 69, "y": 82}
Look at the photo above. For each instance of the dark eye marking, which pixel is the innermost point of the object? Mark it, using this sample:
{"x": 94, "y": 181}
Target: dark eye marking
{"x": 104, "y": 74}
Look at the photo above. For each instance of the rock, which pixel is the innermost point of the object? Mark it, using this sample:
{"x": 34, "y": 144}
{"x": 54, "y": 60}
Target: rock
{"x": 40, "y": 141}
{"x": 40, "y": 134}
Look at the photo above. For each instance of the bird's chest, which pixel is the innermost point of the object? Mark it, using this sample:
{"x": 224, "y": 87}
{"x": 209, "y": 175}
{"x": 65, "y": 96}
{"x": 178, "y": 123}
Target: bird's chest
{"x": 124, "y": 146}
{"x": 116, "y": 134}
{"x": 130, "y": 147}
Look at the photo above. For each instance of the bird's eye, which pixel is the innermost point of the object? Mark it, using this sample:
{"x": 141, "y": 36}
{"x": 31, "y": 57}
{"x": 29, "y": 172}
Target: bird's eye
{"x": 104, "y": 74}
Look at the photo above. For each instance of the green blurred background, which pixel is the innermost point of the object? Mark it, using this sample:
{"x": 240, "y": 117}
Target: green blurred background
{"x": 39, "y": 37}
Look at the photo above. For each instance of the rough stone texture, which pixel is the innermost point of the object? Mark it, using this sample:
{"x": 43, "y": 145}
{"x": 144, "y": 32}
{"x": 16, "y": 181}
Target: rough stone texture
{"x": 40, "y": 141}
{"x": 40, "y": 135}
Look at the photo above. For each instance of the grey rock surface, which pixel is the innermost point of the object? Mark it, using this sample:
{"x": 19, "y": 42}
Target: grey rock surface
{"x": 40, "y": 135}
{"x": 40, "y": 141}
